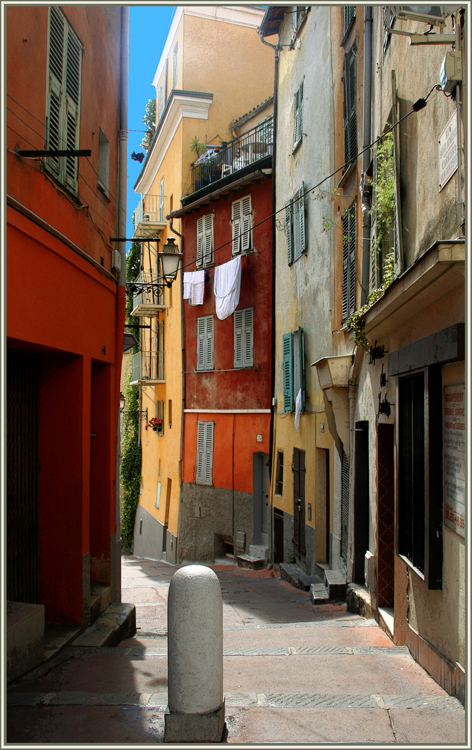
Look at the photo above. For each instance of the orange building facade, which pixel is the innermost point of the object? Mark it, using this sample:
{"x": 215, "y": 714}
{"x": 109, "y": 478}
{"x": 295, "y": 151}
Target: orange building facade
{"x": 66, "y": 302}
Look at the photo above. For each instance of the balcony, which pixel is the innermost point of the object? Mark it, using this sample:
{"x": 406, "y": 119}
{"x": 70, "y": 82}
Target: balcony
{"x": 148, "y": 217}
{"x": 147, "y": 368}
{"x": 148, "y": 302}
{"x": 232, "y": 156}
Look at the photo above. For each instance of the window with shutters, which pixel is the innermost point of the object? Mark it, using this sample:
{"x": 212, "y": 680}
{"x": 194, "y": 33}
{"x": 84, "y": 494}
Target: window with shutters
{"x": 205, "y": 241}
{"x": 350, "y": 107}
{"x": 241, "y": 222}
{"x": 349, "y": 261}
{"x": 293, "y": 352}
{"x": 205, "y": 327}
{"x": 419, "y": 467}
{"x": 174, "y": 66}
{"x": 204, "y": 467}
{"x": 63, "y": 105}
{"x": 349, "y": 16}
{"x": 244, "y": 338}
{"x": 295, "y": 225}
{"x": 298, "y": 116}
{"x": 161, "y": 200}
{"x": 388, "y": 22}
{"x": 279, "y": 474}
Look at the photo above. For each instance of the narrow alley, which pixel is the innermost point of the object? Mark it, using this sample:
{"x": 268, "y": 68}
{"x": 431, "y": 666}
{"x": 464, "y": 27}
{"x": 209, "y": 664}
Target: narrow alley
{"x": 291, "y": 674}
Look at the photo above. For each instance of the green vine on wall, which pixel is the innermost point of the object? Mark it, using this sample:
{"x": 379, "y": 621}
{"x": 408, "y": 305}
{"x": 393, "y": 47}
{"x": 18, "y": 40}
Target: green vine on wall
{"x": 357, "y": 320}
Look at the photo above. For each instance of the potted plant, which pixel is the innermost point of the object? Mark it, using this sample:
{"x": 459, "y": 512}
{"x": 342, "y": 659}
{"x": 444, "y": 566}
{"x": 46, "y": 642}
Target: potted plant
{"x": 156, "y": 424}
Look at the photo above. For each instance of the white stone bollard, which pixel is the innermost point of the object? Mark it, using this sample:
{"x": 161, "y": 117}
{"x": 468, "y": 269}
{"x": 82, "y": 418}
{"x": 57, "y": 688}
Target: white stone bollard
{"x": 196, "y": 710}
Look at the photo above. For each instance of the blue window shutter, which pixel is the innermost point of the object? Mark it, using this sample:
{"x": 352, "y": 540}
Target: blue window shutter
{"x": 288, "y": 371}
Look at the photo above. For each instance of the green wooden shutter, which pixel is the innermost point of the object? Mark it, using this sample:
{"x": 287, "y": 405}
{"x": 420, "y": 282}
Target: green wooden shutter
{"x": 288, "y": 230}
{"x": 209, "y": 343}
{"x": 244, "y": 338}
{"x": 199, "y": 262}
{"x": 345, "y": 304}
{"x": 201, "y": 330}
{"x": 352, "y": 258}
{"x": 72, "y": 106}
{"x": 288, "y": 371}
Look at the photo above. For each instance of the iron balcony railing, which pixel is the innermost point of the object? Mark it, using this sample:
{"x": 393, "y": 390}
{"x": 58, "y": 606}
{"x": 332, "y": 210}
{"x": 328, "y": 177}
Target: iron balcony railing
{"x": 231, "y": 156}
{"x": 149, "y": 209}
{"x": 147, "y": 366}
{"x": 149, "y": 296}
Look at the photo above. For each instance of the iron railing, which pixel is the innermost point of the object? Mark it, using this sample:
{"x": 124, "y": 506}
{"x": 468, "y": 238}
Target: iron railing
{"x": 147, "y": 366}
{"x": 148, "y": 295}
{"x": 149, "y": 209}
{"x": 231, "y": 156}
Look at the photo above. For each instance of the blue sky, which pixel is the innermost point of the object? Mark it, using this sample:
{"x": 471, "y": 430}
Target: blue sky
{"x": 148, "y": 29}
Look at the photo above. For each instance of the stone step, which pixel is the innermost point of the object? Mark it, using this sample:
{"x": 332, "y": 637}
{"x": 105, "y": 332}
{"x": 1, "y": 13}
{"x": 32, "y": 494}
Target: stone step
{"x": 57, "y": 637}
{"x": 305, "y": 581}
{"x": 335, "y": 581}
{"x": 100, "y": 599}
{"x": 250, "y": 562}
{"x": 319, "y": 593}
{"x": 290, "y": 572}
{"x": 259, "y": 551}
{"x": 111, "y": 627}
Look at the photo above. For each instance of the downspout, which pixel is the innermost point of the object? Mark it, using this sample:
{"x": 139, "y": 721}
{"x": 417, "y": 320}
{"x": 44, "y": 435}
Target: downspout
{"x": 459, "y": 89}
{"x": 277, "y": 48}
{"x": 181, "y": 448}
{"x": 121, "y": 294}
{"x": 366, "y": 139}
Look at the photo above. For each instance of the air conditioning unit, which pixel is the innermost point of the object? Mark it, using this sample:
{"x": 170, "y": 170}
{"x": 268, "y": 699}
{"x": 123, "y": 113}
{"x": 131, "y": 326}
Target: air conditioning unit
{"x": 434, "y": 14}
{"x": 451, "y": 71}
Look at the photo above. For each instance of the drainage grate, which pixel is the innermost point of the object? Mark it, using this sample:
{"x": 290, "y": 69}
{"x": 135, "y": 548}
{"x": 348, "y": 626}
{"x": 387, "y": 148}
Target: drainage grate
{"x": 307, "y": 700}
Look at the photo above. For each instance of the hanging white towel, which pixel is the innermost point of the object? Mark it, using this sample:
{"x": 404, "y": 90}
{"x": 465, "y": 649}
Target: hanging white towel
{"x": 227, "y": 287}
{"x": 194, "y": 286}
{"x": 298, "y": 409}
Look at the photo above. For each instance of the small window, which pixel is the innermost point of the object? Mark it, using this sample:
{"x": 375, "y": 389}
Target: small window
{"x": 161, "y": 201}
{"x": 169, "y": 412}
{"x": 103, "y": 162}
{"x": 241, "y": 221}
{"x": 205, "y": 241}
{"x": 205, "y": 343}
{"x": 159, "y": 413}
{"x": 293, "y": 369}
{"x": 158, "y": 495}
{"x": 279, "y": 474}
{"x": 349, "y": 261}
{"x": 244, "y": 338}
{"x": 298, "y": 116}
{"x": 174, "y": 69}
{"x": 295, "y": 225}
{"x": 204, "y": 467}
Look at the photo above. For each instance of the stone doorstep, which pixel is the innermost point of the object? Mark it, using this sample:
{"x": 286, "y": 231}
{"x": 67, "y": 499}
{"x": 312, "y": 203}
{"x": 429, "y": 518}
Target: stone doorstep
{"x": 100, "y": 599}
{"x": 112, "y": 626}
{"x": 259, "y": 551}
{"x": 25, "y": 637}
{"x": 358, "y": 600}
{"x": 250, "y": 562}
{"x": 319, "y": 593}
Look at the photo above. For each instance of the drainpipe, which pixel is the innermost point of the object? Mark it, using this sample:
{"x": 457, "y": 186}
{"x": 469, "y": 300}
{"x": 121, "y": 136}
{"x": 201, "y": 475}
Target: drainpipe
{"x": 366, "y": 139}
{"x": 458, "y": 47}
{"x": 121, "y": 294}
{"x": 277, "y": 48}
{"x": 181, "y": 448}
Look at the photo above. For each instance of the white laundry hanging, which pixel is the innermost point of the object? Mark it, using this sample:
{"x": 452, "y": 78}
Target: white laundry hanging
{"x": 227, "y": 286}
{"x": 194, "y": 286}
{"x": 298, "y": 409}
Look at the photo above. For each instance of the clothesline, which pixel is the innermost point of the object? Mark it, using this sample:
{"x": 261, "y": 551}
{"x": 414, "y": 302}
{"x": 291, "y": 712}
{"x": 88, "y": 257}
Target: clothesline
{"x": 226, "y": 287}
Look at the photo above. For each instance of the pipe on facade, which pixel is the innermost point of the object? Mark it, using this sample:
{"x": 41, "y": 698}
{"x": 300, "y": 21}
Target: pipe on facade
{"x": 366, "y": 139}
{"x": 181, "y": 449}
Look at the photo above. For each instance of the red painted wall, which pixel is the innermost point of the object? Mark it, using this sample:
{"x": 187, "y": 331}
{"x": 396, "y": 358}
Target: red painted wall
{"x": 62, "y": 306}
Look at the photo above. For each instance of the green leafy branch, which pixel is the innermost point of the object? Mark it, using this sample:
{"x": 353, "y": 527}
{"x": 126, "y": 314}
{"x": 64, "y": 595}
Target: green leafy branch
{"x": 356, "y": 322}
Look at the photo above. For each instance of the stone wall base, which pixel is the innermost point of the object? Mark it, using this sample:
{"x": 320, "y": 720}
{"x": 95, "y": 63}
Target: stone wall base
{"x": 199, "y": 728}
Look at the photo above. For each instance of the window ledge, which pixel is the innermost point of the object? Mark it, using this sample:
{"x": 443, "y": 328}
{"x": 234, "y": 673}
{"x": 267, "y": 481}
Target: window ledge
{"x": 349, "y": 171}
{"x": 105, "y": 192}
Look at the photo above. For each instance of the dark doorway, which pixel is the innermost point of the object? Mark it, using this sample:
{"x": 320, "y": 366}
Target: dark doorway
{"x": 22, "y": 476}
{"x": 278, "y": 536}
{"x": 298, "y": 469}
{"x": 386, "y": 515}
{"x": 361, "y": 500}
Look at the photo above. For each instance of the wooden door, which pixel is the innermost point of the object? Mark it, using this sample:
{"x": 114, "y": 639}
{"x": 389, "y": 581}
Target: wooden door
{"x": 298, "y": 468}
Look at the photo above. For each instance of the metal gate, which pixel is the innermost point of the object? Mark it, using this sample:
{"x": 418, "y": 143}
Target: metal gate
{"x": 344, "y": 505}
{"x": 298, "y": 469}
{"x": 22, "y": 476}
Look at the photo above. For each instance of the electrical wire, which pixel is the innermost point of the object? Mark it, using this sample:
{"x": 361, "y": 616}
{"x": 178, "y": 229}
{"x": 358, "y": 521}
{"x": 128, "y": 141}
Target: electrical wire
{"x": 417, "y": 106}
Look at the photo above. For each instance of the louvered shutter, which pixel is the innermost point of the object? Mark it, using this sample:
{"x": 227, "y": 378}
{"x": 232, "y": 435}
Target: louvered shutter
{"x": 236, "y": 225}
{"x": 301, "y": 217}
{"x": 209, "y": 343}
{"x": 199, "y": 262}
{"x": 288, "y": 371}
{"x": 56, "y": 62}
{"x": 244, "y": 338}
{"x": 238, "y": 338}
{"x": 201, "y": 330}
{"x": 249, "y": 337}
{"x": 352, "y": 259}
{"x": 350, "y": 107}
{"x": 72, "y": 106}
{"x": 301, "y": 362}
{"x": 208, "y": 240}
{"x": 246, "y": 212}
{"x": 345, "y": 311}
{"x": 204, "y": 468}
{"x": 200, "y": 451}
{"x": 288, "y": 231}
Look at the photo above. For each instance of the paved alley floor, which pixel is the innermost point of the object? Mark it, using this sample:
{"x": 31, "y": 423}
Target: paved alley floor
{"x": 293, "y": 673}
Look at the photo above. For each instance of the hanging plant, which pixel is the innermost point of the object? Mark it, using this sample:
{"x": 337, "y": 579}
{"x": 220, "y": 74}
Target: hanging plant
{"x": 356, "y": 322}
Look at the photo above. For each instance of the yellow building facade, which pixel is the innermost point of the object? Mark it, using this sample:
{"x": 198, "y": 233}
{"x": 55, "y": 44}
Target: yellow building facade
{"x": 213, "y": 68}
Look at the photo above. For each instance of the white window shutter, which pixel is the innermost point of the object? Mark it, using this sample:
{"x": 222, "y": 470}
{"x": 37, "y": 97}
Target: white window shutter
{"x": 301, "y": 216}
{"x": 236, "y": 224}
{"x": 199, "y": 242}
{"x": 209, "y": 343}
{"x": 246, "y": 239}
{"x": 201, "y": 329}
{"x": 288, "y": 230}
{"x": 208, "y": 240}
{"x": 238, "y": 338}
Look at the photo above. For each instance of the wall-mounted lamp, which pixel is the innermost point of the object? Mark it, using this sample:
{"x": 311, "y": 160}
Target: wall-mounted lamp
{"x": 169, "y": 258}
{"x": 141, "y": 414}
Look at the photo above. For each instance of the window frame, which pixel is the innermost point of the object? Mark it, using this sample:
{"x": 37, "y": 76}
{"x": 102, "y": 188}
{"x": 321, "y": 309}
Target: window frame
{"x": 205, "y": 238}
{"x": 298, "y": 117}
{"x": 279, "y": 475}
{"x": 205, "y": 352}
{"x": 241, "y": 226}
{"x": 296, "y": 225}
{"x": 293, "y": 366}
{"x": 66, "y": 93}
{"x": 349, "y": 260}
{"x": 103, "y": 162}
{"x": 349, "y": 17}
{"x": 244, "y": 341}
{"x": 161, "y": 200}
{"x": 205, "y": 448}
{"x": 174, "y": 65}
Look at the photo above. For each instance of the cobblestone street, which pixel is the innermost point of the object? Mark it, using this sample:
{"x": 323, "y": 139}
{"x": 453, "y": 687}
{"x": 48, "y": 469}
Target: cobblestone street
{"x": 292, "y": 673}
